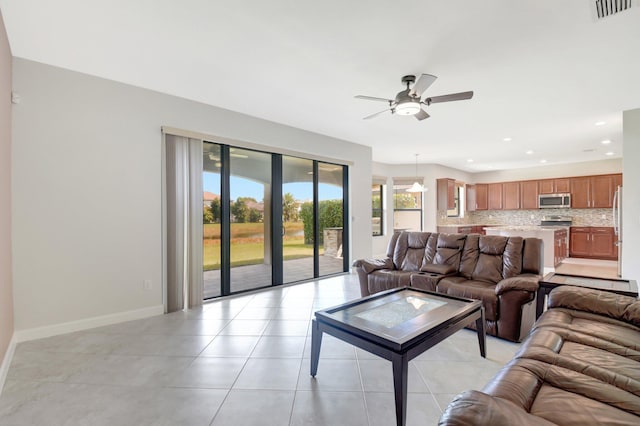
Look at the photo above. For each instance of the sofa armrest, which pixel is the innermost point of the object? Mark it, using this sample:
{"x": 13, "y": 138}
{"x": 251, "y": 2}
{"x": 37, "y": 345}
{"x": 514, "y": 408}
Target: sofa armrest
{"x": 477, "y": 408}
{"x": 596, "y": 302}
{"x": 370, "y": 265}
{"x": 526, "y": 282}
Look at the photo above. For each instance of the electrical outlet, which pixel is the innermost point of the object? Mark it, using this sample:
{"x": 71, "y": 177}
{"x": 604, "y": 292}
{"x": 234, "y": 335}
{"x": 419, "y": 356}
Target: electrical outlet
{"x": 147, "y": 285}
{"x": 533, "y": 216}
{"x": 604, "y": 216}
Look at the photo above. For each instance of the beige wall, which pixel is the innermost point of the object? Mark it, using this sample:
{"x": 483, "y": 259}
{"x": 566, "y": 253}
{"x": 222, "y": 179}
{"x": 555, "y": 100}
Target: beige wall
{"x": 429, "y": 173}
{"x": 6, "y": 294}
{"x": 87, "y": 189}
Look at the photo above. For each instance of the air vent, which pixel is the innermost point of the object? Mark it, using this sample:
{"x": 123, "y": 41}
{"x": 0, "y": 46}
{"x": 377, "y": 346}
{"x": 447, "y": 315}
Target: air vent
{"x": 606, "y": 8}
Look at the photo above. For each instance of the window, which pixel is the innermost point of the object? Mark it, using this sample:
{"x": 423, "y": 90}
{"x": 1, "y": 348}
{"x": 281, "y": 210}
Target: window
{"x": 407, "y": 206}
{"x": 377, "y": 203}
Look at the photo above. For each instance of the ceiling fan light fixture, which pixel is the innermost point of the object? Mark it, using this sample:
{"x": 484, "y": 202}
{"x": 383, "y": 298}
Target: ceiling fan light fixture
{"x": 408, "y": 108}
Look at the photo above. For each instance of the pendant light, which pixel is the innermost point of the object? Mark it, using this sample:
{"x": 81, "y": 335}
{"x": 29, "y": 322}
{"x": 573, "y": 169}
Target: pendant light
{"x": 417, "y": 187}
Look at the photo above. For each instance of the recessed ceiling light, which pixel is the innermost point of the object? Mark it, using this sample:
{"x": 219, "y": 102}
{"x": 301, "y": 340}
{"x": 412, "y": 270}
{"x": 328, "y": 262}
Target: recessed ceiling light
{"x": 543, "y": 161}
{"x": 470, "y": 160}
{"x": 609, "y": 153}
{"x": 529, "y": 152}
{"x": 507, "y": 139}
{"x": 605, "y": 142}
{"x": 600, "y": 123}
{"x": 588, "y": 150}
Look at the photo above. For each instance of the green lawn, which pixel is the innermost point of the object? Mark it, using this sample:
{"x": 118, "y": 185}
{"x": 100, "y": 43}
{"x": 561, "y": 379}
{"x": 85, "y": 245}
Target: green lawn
{"x": 247, "y": 245}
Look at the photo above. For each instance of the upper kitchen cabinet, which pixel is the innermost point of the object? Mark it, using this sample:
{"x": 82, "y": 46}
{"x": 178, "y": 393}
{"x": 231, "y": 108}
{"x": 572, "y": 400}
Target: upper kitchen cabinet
{"x": 495, "y": 196}
{"x": 554, "y": 186}
{"x": 446, "y": 194}
{"x": 482, "y": 196}
{"x": 470, "y": 193}
{"x": 511, "y": 195}
{"x": 529, "y": 194}
{"x": 593, "y": 192}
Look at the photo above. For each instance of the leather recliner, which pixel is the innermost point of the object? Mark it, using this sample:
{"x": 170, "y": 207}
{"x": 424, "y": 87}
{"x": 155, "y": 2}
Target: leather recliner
{"x": 502, "y": 272}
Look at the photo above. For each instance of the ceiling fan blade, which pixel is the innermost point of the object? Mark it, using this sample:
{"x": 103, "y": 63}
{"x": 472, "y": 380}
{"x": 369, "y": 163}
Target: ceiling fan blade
{"x": 372, "y": 98}
{"x": 448, "y": 98}
{"x": 376, "y": 114}
{"x": 422, "y": 84}
{"x": 421, "y": 115}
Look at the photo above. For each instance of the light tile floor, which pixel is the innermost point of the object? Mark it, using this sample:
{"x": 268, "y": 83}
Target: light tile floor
{"x": 240, "y": 361}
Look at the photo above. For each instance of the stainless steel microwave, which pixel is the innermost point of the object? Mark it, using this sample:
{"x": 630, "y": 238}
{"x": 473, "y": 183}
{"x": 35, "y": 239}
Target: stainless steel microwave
{"x": 554, "y": 201}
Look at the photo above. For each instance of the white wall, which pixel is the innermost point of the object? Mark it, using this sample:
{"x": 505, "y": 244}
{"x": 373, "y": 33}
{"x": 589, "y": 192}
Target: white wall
{"x": 87, "y": 189}
{"x": 551, "y": 171}
{"x": 6, "y": 292}
{"x": 631, "y": 195}
{"x": 429, "y": 173}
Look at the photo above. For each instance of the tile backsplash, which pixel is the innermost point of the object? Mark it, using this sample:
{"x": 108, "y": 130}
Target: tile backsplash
{"x": 579, "y": 217}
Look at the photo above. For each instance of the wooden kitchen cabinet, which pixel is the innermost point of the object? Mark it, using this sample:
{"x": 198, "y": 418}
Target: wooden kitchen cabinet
{"x": 446, "y": 189}
{"x": 602, "y": 190}
{"x": 470, "y": 195}
{"x": 554, "y": 186}
{"x": 529, "y": 194}
{"x": 560, "y": 249}
{"x": 511, "y": 195}
{"x": 495, "y": 196}
{"x": 593, "y": 192}
{"x": 579, "y": 241}
{"x": 581, "y": 192}
{"x": 482, "y": 196}
{"x": 595, "y": 242}
{"x": 603, "y": 243}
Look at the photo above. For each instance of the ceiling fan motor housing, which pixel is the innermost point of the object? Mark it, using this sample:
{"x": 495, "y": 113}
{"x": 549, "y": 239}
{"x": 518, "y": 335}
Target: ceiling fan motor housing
{"x": 406, "y": 104}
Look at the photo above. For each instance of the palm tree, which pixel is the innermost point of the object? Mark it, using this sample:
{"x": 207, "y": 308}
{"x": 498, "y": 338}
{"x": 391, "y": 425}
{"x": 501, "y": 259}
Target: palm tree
{"x": 289, "y": 208}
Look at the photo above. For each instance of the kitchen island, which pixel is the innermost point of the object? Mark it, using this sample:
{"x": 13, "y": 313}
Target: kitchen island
{"x": 555, "y": 239}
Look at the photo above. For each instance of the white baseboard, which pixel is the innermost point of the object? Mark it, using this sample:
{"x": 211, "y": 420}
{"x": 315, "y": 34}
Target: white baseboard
{"x": 84, "y": 324}
{"x": 6, "y": 361}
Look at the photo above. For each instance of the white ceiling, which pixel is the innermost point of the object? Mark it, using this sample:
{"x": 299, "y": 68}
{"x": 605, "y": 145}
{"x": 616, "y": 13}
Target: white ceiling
{"x": 543, "y": 71}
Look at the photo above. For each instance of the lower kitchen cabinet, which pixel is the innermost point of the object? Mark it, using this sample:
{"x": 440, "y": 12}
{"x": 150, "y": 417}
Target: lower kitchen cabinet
{"x": 560, "y": 249}
{"x": 594, "y": 242}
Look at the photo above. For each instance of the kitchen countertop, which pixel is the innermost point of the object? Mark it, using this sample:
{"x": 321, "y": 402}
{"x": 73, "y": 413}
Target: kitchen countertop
{"x": 526, "y": 228}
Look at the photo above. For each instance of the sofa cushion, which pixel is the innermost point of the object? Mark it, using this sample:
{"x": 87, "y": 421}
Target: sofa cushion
{"x": 449, "y": 249}
{"x": 512, "y": 257}
{"x": 478, "y": 290}
{"x": 632, "y": 313}
{"x": 370, "y": 265}
{"x": 590, "y": 300}
{"x": 409, "y": 250}
{"x": 438, "y": 269}
{"x": 386, "y": 279}
{"x": 470, "y": 253}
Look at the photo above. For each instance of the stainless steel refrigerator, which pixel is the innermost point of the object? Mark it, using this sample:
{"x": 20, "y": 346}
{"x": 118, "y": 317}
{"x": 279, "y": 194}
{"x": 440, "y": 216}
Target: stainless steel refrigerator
{"x": 617, "y": 225}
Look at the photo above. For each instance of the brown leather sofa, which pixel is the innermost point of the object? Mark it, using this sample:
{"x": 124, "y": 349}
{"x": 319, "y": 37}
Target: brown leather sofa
{"x": 502, "y": 272}
{"x": 579, "y": 366}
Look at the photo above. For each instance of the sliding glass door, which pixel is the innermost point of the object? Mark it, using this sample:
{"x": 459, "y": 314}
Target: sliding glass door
{"x": 250, "y": 211}
{"x": 269, "y": 219}
{"x": 331, "y": 218}
{"x": 212, "y": 219}
{"x": 297, "y": 219}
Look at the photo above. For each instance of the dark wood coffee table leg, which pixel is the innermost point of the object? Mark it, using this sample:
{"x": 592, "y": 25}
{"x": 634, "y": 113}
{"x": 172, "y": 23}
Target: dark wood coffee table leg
{"x": 400, "y": 368}
{"x": 482, "y": 335}
{"x": 316, "y": 341}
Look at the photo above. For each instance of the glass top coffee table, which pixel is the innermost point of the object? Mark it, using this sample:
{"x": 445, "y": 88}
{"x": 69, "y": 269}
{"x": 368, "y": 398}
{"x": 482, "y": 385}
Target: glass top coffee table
{"x": 397, "y": 325}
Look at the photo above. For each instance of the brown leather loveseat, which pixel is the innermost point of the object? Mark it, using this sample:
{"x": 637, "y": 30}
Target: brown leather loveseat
{"x": 502, "y": 272}
{"x": 579, "y": 366}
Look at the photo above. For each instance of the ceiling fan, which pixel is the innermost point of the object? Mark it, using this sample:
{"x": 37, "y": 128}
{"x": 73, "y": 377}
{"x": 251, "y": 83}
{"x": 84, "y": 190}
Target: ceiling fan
{"x": 409, "y": 102}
